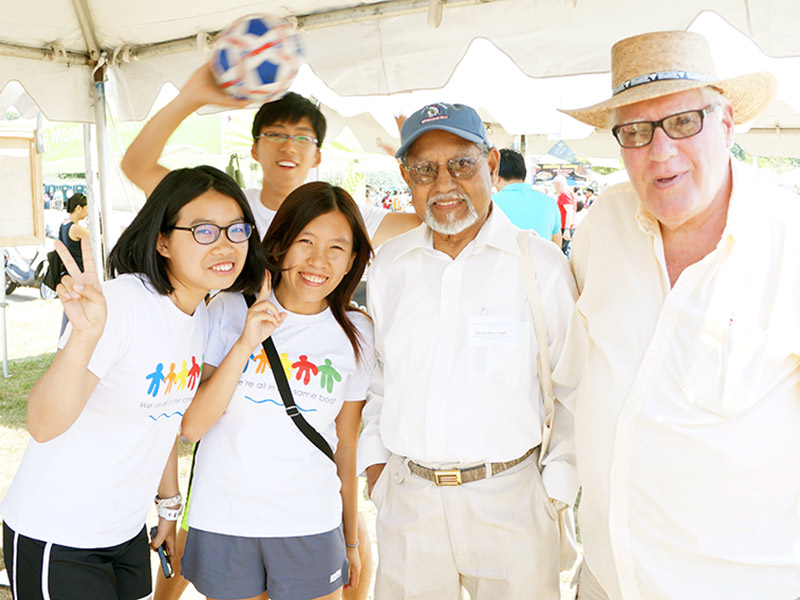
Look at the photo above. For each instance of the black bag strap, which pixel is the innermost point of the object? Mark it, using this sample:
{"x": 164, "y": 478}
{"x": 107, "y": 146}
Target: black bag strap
{"x": 286, "y": 394}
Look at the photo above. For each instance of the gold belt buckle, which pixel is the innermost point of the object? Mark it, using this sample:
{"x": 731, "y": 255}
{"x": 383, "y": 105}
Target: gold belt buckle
{"x": 451, "y": 477}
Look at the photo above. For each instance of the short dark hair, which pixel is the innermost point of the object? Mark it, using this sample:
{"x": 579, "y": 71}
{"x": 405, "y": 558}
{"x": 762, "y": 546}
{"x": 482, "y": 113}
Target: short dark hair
{"x": 135, "y": 251}
{"x": 512, "y": 165}
{"x": 75, "y": 201}
{"x": 302, "y": 206}
{"x": 291, "y": 108}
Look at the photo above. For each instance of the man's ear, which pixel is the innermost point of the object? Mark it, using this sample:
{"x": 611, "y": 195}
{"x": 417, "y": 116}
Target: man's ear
{"x": 494, "y": 163}
{"x": 318, "y": 158}
{"x": 727, "y": 124}
{"x": 254, "y": 151}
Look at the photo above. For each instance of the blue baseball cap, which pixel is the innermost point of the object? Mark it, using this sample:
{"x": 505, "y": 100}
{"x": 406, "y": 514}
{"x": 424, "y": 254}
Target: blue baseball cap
{"x": 459, "y": 119}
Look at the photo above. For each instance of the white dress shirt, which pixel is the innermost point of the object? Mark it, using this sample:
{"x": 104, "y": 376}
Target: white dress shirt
{"x": 456, "y": 381}
{"x": 687, "y": 420}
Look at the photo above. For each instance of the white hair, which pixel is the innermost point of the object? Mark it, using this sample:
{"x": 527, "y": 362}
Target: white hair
{"x": 710, "y": 95}
{"x": 451, "y": 226}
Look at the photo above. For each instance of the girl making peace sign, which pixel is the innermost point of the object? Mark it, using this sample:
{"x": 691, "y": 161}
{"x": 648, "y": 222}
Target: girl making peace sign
{"x": 270, "y": 512}
{"x": 104, "y": 416}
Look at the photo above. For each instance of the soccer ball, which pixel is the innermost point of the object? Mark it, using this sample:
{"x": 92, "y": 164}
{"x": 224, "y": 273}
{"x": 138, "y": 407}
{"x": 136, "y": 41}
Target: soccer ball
{"x": 257, "y": 58}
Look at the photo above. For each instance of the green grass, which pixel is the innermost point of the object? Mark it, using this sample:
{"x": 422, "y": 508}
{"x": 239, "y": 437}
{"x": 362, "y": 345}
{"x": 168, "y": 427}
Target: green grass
{"x": 14, "y": 390}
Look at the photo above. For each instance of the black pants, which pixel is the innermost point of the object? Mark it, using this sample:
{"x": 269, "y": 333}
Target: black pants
{"x": 39, "y": 570}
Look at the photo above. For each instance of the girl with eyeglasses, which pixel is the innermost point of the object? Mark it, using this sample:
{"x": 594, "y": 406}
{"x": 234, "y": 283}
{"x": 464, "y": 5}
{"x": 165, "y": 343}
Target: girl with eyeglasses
{"x": 270, "y": 512}
{"x": 105, "y": 415}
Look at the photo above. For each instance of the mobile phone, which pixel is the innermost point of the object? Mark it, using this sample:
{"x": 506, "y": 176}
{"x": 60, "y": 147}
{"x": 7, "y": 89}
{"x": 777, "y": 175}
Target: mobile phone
{"x": 163, "y": 555}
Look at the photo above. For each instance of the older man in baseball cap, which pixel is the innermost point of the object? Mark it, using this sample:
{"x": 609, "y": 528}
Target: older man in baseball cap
{"x": 455, "y": 426}
{"x": 688, "y": 413}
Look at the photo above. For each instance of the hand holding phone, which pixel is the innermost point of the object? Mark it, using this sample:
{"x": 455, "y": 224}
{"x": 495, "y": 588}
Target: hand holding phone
{"x": 163, "y": 555}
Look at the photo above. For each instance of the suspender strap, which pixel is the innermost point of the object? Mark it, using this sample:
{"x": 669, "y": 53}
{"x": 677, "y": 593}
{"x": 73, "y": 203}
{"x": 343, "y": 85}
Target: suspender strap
{"x": 286, "y": 394}
{"x": 540, "y": 327}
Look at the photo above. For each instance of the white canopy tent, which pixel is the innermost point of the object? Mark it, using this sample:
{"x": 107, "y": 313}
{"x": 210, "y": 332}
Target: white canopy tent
{"x": 71, "y": 55}
{"x": 372, "y": 47}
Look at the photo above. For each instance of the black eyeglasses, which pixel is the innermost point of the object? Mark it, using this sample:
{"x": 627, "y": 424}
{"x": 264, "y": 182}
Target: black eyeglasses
{"x": 277, "y": 137}
{"x": 424, "y": 173}
{"x": 678, "y": 126}
{"x": 208, "y": 233}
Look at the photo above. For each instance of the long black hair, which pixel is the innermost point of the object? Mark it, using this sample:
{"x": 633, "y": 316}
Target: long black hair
{"x": 135, "y": 251}
{"x": 302, "y": 206}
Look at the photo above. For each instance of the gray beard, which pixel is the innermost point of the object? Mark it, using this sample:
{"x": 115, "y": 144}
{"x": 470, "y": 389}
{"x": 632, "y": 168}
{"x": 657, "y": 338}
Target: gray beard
{"x": 452, "y": 225}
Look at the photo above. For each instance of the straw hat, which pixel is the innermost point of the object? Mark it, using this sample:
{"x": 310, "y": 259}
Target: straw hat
{"x": 656, "y": 64}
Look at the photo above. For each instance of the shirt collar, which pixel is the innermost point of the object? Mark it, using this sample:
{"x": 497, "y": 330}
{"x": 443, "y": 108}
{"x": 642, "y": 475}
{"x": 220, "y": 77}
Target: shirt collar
{"x": 497, "y": 232}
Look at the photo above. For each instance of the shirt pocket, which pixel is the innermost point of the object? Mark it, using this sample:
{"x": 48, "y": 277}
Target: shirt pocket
{"x": 499, "y": 361}
{"x": 724, "y": 368}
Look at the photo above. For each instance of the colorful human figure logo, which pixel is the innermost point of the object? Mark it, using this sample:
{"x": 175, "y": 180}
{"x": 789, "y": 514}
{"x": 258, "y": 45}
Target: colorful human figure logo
{"x": 194, "y": 373}
{"x": 181, "y": 377}
{"x": 287, "y": 365}
{"x": 170, "y": 378}
{"x": 327, "y": 375}
{"x": 262, "y": 360}
{"x": 305, "y": 369}
{"x": 156, "y": 377}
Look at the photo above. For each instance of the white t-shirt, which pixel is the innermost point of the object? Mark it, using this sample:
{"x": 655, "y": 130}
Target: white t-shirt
{"x": 91, "y": 486}
{"x": 372, "y": 215}
{"x": 256, "y": 474}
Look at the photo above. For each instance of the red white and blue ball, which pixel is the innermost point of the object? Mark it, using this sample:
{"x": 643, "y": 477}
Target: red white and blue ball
{"x": 257, "y": 57}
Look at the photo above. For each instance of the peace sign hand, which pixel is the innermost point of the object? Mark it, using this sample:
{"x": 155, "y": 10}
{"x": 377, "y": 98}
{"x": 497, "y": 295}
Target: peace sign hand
{"x": 80, "y": 293}
{"x": 263, "y": 317}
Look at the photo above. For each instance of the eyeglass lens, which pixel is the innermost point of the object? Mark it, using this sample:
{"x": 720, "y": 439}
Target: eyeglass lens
{"x": 462, "y": 167}
{"x": 208, "y": 233}
{"x": 277, "y": 137}
{"x": 677, "y": 126}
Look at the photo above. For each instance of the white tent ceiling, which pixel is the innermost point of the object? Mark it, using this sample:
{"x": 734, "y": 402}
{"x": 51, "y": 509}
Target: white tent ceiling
{"x": 50, "y": 46}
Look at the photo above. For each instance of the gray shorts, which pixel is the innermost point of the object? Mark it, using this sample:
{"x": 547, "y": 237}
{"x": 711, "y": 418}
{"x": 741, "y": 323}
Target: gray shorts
{"x": 229, "y": 567}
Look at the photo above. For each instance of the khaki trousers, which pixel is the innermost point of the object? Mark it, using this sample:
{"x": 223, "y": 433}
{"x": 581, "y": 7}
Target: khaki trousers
{"x": 496, "y": 537}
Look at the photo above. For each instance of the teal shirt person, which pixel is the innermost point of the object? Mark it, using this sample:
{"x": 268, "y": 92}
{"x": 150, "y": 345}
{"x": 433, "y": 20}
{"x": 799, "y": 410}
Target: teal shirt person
{"x": 529, "y": 209}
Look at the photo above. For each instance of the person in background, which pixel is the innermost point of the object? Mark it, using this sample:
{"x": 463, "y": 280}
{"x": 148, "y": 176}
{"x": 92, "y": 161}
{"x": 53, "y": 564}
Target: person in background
{"x": 287, "y": 137}
{"x": 524, "y": 206}
{"x": 71, "y": 233}
{"x": 566, "y": 207}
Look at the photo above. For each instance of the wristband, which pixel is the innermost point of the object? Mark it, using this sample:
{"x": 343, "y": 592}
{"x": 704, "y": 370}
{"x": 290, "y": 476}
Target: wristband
{"x": 169, "y": 508}
{"x": 353, "y": 545}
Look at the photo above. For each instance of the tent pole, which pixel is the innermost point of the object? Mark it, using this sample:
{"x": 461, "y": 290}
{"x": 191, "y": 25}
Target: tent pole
{"x": 3, "y": 304}
{"x": 93, "y": 197}
{"x": 103, "y": 152}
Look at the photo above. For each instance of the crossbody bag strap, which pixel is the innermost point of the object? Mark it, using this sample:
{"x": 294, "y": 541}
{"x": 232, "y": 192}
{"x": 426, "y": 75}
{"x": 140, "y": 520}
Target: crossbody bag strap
{"x": 286, "y": 394}
{"x": 540, "y": 327}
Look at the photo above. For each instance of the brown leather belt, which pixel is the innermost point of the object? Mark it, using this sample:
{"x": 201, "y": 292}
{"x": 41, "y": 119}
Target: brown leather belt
{"x": 459, "y": 476}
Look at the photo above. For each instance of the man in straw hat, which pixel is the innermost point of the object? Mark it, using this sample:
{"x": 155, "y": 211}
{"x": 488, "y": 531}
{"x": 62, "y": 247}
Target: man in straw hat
{"x": 688, "y": 332}
{"x": 453, "y": 425}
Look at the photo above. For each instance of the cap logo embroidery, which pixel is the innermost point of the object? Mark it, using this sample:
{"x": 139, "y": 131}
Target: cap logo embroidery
{"x": 433, "y": 113}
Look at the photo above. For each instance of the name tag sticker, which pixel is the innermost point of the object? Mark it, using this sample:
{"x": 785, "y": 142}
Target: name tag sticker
{"x": 492, "y": 332}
